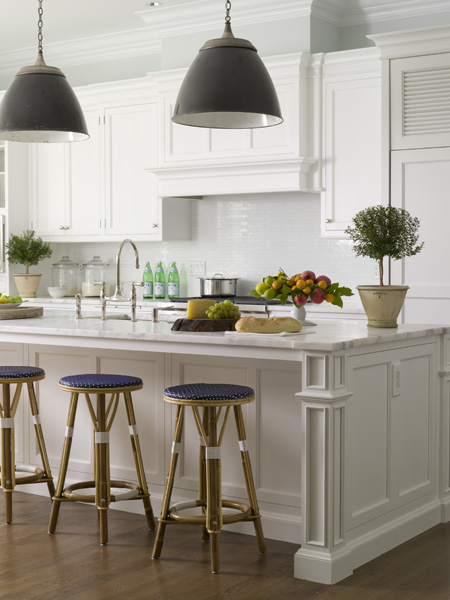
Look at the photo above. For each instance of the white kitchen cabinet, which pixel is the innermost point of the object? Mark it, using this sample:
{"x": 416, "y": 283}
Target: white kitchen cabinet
{"x": 420, "y": 183}
{"x": 420, "y": 101}
{"x": 351, "y": 155}
{"x": 64, "y": 187}
{"x": 102, "y": 189}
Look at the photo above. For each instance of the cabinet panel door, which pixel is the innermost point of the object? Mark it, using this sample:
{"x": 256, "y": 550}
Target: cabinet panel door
{"x": 352, "y": 151}
{"x": 85, "y": 195}
{"x": 49, "y": 188}
{"x": 130, "y": 150}
{"x": 420, "y": 180}
{"x": 420, "y": 99}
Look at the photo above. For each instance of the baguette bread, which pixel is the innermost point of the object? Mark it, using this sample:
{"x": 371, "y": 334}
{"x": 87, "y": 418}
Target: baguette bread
{"x": 270, "y": 325}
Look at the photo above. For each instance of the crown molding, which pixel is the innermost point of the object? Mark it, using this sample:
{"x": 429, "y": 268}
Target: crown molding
{"x": 204, "y": 15}
{"x": 359, "y": 12}
{"x": 413, "y": 42}
{"x": 126, "y": 44}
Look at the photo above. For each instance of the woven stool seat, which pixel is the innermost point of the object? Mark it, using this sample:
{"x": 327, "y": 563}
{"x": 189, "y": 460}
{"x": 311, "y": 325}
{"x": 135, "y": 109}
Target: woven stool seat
{"x": 107, "y": 389}
{"x": 12, "y": 380}
{"x": 208, "y": 401}
{"x": 20, "y": 373}
{"x": 100, "y": 381}
{"x": 209, "y": 393}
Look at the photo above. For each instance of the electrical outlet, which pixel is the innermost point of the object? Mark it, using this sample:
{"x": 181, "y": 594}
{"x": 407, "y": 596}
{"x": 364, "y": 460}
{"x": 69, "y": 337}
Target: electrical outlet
{"x": 197, "y": 269}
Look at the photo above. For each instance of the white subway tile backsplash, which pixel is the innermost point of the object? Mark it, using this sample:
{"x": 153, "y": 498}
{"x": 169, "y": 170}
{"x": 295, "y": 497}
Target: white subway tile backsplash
{"x": 247, "y": 236}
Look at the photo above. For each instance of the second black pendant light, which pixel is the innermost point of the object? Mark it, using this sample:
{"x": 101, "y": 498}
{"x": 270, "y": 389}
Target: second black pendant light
{"x": 227, "y": 87}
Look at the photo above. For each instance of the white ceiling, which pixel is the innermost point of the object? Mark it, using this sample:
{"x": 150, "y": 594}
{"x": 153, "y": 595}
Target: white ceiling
{"x": 66, "y": 20}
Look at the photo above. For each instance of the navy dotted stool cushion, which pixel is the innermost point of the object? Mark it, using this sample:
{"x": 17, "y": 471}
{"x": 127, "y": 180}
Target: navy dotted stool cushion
{"x": 100, "y": 381}
{"x": 209, "y": 391}
{"x": 20, "y": 372}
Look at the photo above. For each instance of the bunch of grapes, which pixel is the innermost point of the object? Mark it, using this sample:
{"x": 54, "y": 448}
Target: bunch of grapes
{"x": 223, "y": 310}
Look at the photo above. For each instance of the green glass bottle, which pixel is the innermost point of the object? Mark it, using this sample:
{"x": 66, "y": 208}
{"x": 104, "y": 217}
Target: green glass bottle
{"x": 159, "y": 287}
{"x": 147, "y": 278}
{"x": 173, "y": 287}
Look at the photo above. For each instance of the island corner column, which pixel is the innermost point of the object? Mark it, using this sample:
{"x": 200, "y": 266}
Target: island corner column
{"x": 324, "y": 556}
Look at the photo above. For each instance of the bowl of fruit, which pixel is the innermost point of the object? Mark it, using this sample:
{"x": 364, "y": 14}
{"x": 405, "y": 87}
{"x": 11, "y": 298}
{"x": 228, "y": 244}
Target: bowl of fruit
{"x": 301, "y": 288}
{"x": 8, "y": 302}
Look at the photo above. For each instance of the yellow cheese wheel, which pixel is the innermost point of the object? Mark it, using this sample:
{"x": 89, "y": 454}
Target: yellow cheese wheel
{"x": 197, "y": 308}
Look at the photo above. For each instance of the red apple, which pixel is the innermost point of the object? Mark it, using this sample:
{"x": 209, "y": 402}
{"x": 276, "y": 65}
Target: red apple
{"x": 318, "y": 296}
{"x": 308, "y": 275}
{"x": 300, "y": 300}
{"x": 324, "y": 278}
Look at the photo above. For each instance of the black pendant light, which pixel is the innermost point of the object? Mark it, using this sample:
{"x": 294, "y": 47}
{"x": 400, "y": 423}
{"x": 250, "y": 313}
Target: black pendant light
{"x": 227, "y": 87}
{"x": 40, "y": 105}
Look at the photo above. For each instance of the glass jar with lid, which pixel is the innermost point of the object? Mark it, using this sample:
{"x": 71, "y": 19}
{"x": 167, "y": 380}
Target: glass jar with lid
{"x": 94, "y": 272}
{"x": 66, "y": 273}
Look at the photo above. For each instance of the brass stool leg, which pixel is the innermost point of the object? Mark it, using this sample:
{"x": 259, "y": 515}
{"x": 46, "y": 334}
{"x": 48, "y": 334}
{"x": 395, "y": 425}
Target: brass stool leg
{"x": 40, "y": 438}
{"x": 213, "y": 488}
{"x": 138, "y": 460}
{"x": 102, "y": 476}
{"x": 64, "y": 463}
{"x": 169, "y": 482}
{"x": 249, "y": 477}
{"x": 8, "y": 458}
{"x": 202, "y": 474}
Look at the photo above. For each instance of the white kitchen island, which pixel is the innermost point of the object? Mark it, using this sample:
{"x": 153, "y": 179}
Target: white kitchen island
{"x": 349, "y": 434}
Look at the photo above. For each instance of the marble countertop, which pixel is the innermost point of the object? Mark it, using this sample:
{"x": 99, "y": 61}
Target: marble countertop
{"x": 328, "y": 335}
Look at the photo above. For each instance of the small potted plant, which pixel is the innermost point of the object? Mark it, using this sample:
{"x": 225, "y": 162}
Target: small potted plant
{"x": 377, "y": 232}
{"x": 27, "y": 250}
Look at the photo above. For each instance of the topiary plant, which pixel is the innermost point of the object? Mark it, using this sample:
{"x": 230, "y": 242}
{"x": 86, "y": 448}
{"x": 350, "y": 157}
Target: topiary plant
{"x": 380, "y": 231}
{"x": 27, "y": 250}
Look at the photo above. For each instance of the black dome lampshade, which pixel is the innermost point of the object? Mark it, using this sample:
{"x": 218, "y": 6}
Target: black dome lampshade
{"x": 40, "y": 105}
{"x": 227, "y": 87}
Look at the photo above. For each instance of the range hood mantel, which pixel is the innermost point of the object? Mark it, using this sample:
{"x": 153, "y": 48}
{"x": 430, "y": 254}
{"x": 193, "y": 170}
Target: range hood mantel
{"x": 244, "y": 178}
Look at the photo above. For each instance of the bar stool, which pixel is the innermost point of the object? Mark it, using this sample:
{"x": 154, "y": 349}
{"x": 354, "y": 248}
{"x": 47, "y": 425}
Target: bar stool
{"x": 19, "y": 376}
{"x": 212, "y": 398}
{"x": 101, "y": 385}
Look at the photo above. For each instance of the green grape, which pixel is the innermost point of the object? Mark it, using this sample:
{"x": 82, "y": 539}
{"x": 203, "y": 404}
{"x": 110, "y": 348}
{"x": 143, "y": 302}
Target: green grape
{"x": 210, "y": 314}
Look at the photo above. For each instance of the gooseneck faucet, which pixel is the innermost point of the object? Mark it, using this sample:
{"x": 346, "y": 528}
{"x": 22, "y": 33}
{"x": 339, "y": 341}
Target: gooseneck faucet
{"x": 118, "y": 296}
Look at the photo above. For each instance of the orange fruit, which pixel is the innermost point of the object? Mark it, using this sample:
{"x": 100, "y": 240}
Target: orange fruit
{"x": 277, "y": 284}
{"x": 309, "y": 282}
{"x": 297, "y": 277}
{"x": 322, "y": 285}
{"x": 290, "y": 282}
{"x": 300, "y": 285}
{"x": 307, "y": 290}
{"x": 329, "y": 297}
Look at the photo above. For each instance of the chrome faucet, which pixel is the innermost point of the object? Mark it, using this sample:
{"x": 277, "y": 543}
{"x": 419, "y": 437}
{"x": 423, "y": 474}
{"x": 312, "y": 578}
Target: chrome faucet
{"x": 118, "y": 296}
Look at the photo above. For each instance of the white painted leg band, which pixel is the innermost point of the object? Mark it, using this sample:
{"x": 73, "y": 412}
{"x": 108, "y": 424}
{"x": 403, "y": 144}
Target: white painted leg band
{"x": 202, "y": 441}
{"x": 102, "y": 437}
{"x": 69, "y": 431}
{"x": 212, "y": 452}
{"x": 36, "y": 419}
{"x": 176, "y": 447}
{"x": 7, "y": 423}
{"x": 243, "y": 445}
{"x": 133, "y": 429}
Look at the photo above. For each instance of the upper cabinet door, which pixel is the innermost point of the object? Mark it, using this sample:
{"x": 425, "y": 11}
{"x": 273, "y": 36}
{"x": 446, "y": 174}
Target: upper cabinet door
{"x": 420, "y": 102}
{"x": 131, "y": 145}
{"x": 49, "y": 188}
{"x": 84, "y": 205}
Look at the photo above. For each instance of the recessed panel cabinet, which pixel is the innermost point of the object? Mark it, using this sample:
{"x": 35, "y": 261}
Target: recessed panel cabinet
{"x": 102, "y": 188}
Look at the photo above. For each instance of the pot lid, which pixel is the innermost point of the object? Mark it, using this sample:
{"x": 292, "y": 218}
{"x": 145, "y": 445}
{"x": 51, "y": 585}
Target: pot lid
{"x": 219, "y": 276}
{"x": 96, "y": 262}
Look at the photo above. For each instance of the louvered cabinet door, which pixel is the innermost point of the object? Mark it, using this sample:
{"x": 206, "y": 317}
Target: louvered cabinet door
{"x": 420, "y": 102}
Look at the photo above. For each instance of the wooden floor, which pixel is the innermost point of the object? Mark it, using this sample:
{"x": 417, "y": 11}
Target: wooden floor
{"x": 72, "y": 565}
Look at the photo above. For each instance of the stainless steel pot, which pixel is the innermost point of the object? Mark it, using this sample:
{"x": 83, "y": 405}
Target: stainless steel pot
{"x": 218, "y": 286}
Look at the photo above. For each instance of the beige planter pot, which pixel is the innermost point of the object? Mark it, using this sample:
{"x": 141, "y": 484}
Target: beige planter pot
{"x": 382, "y": 303}
{"x": 27, "y": 284}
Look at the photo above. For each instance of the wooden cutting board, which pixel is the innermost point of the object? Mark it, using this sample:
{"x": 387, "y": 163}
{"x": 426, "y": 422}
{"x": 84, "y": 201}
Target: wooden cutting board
{"x": 204, "y": 325}
{"x": 21, "y": 312}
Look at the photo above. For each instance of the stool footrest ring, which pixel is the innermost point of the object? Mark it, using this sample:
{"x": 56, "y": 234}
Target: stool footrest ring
{"x": 35, "y": 474}
{"x": 134, "y": 491}
{"x": 244, "y": 514}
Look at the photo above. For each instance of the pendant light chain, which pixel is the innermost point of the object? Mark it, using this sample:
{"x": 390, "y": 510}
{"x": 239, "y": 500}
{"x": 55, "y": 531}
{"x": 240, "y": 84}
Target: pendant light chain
{"x": 40, "y": 24}
{"x": 228, "y": 8}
